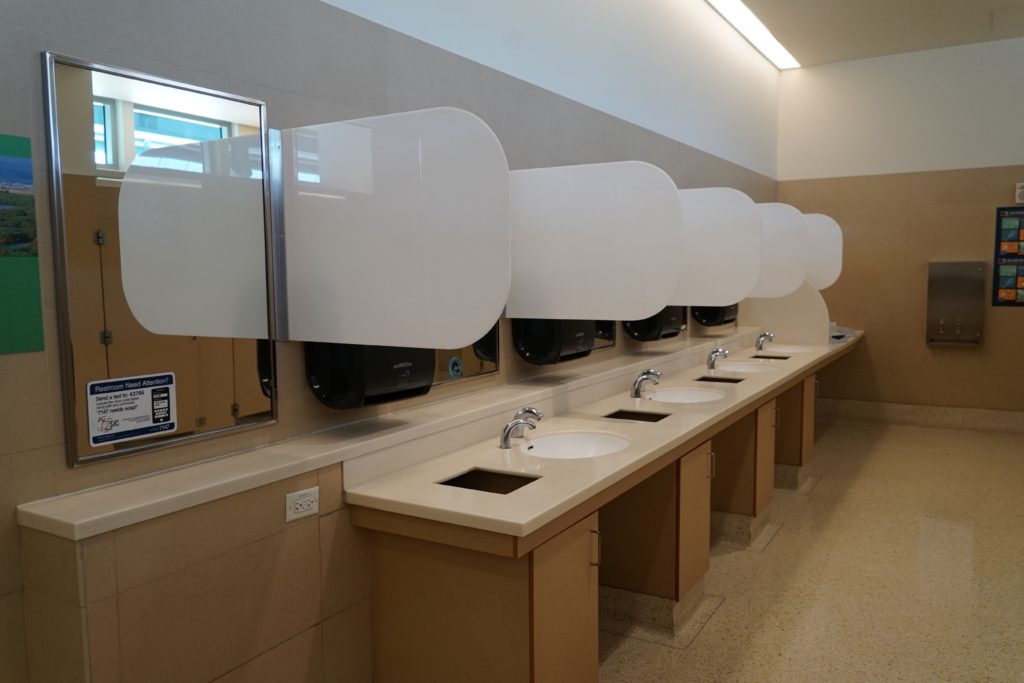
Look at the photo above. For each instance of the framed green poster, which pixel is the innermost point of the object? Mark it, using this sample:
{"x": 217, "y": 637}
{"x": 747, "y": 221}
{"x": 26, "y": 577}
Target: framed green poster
{"x": 21, "y": 314}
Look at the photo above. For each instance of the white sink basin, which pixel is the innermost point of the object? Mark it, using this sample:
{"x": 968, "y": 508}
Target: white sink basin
{"x": 745, "y": 367}
{"x": 686, "y": 395}
{"x": 574, "y": 445}
{"x": 785, "y": 348}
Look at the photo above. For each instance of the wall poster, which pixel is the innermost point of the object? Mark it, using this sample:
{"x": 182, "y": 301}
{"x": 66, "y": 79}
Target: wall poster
{"x": 1008, "y": 274}
{"x": 21, "y": 311}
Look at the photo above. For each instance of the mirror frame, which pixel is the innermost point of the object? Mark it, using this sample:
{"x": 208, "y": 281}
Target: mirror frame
{"x": 60, "y": 261}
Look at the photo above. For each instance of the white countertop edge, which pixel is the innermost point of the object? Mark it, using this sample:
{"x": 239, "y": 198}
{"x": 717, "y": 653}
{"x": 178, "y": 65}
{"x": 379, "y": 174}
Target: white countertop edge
{"x": 90, "y": 512}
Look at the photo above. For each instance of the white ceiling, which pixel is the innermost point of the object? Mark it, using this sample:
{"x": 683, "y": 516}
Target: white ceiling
{"x": 822, "y": 31}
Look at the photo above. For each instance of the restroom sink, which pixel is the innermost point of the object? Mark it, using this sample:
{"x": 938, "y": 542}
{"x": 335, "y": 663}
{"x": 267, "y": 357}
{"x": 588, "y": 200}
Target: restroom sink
{"x": 765, "y": 356}
{"x": 686, "y": 395}
{"x": 574, "y": 445}
{"x": 788, "y": 348}
{"x": 746, "y": 367}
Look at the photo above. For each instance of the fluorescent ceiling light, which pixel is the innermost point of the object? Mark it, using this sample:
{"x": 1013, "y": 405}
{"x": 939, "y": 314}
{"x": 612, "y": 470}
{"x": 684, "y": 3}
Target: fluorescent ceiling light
{"x": 751, "y": 28}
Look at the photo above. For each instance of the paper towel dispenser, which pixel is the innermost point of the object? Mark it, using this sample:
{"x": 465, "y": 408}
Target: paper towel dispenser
{"x": 666, "y": 323}
{"x": 714, "y": 316}
{"x": 353, "y": 375}
{"x": 486, "y": 347}
{"x": 543, "y": 342}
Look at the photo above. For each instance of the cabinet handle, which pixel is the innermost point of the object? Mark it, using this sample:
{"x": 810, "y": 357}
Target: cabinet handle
{"x": 712, "y": 465}
{"x": 597, "y": 533}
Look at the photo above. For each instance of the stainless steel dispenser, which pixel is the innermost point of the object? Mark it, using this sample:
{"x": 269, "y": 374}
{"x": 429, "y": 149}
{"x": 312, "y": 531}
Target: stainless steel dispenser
{"x": 956, "y": 303}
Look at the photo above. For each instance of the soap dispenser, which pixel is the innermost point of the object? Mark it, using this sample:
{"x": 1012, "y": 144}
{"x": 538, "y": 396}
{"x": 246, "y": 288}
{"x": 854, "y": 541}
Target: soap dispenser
{"x": 715, "y": 316}
{"x": 543, "y": 342}
{"x": 666, "y": 323}
{"x": 353, "y": 375}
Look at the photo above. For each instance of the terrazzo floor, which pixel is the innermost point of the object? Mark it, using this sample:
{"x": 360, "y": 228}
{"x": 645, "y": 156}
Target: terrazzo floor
{"x": 901, "y": 559}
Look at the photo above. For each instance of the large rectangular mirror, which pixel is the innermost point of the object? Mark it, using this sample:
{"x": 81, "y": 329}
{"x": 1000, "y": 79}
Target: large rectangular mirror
{"x": 126, "y": 388}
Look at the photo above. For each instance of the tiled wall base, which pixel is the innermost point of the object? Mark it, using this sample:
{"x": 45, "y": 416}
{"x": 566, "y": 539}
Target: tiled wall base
{"x": 789, "y": 476}
{"x": 923, "y": 416}
{"x": 657, "y": 620}
{"x": 623, "y": 611}
{"x": 739, "y": 529}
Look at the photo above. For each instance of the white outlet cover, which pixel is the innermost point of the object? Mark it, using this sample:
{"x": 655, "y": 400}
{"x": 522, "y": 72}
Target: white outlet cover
{"x": 299, "y": 504}
{"x": 1020, "y": 193}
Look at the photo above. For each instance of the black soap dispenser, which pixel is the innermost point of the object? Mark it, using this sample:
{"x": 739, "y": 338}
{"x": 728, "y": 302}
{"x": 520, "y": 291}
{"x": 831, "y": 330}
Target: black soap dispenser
{"x": 354, "y": 375}
{"x": 715, "y": 316}
{"x": 543, "y": 342}
{"x": 666, "y": 323}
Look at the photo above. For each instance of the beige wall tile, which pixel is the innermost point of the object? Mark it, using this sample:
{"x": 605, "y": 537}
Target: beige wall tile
{"x": 201, "y": 622}
{"x": 23, "y": 477}
{"x": 51, "y": 567}
{"x": 102, "y": 640}
{"x": 330, "y": 488}
{"x": 893, "y": 226}
{"x": 27, "y": 416}
{"x": 99, "y": 572}
{"x": 13, "y": 668}
{"x": 344, "y": 563}
{"x": 299, "y": 660}
{"x": 348, "y": 646}
{"x": 166, "y": 544}
{"x": 55, "y": 638}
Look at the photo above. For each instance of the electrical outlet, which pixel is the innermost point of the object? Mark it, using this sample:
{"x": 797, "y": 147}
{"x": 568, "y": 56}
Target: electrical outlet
{"x": 302, "y": 503}
{"x": 1020, "y": 193}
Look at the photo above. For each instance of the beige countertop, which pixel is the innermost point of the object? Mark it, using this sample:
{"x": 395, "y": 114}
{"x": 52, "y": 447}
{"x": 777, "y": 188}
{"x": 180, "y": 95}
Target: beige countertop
{"x": 563, "y": 484}
{"x": 394, "y": 446}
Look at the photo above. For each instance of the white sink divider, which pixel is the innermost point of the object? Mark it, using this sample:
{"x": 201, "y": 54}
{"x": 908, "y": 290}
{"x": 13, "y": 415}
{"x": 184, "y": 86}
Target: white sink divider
{"x": 192, "y": 240}
{"x": 784, "y": 250}
{"x": 595, "y": 241}
{"x": 397, "y": 230}
{"x": 825, "y": 244}
{"x": 800, "y": 317}
{"x": 721, "y": 254}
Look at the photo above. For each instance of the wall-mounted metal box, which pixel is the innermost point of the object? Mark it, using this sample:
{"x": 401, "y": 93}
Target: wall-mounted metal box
{"x": 956, "y": 303}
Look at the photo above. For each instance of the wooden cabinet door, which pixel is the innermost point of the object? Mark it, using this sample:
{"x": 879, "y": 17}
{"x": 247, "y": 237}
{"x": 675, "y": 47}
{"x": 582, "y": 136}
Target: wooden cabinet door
{"x": 789, "y": 435}
{"x": 563, "y": 576}
{"x": 694, "y": 518}
{"x": 807, "y": 419}
{"x": 764, "y": 471}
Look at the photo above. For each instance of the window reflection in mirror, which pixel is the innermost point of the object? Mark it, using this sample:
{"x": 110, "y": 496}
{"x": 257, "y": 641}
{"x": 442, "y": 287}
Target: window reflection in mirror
{"x": 101, "y": 121}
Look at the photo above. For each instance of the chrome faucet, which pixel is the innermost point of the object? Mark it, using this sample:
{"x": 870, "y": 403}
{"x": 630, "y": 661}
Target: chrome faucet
{"x": 762, "y": 338}
{"x": 648, "y": 375}
{"x": 715, "y": 355}
{"x": 531, "y": 411}
{"x": 508, "y": 431}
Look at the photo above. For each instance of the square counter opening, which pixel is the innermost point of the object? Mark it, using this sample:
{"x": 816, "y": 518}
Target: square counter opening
{"x": 489, "y": 481}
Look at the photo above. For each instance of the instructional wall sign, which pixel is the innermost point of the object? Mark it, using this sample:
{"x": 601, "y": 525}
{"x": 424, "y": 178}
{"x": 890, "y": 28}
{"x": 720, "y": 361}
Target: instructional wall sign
{"x": 131, "y": 408}
{"x": 1008, "y": 275}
